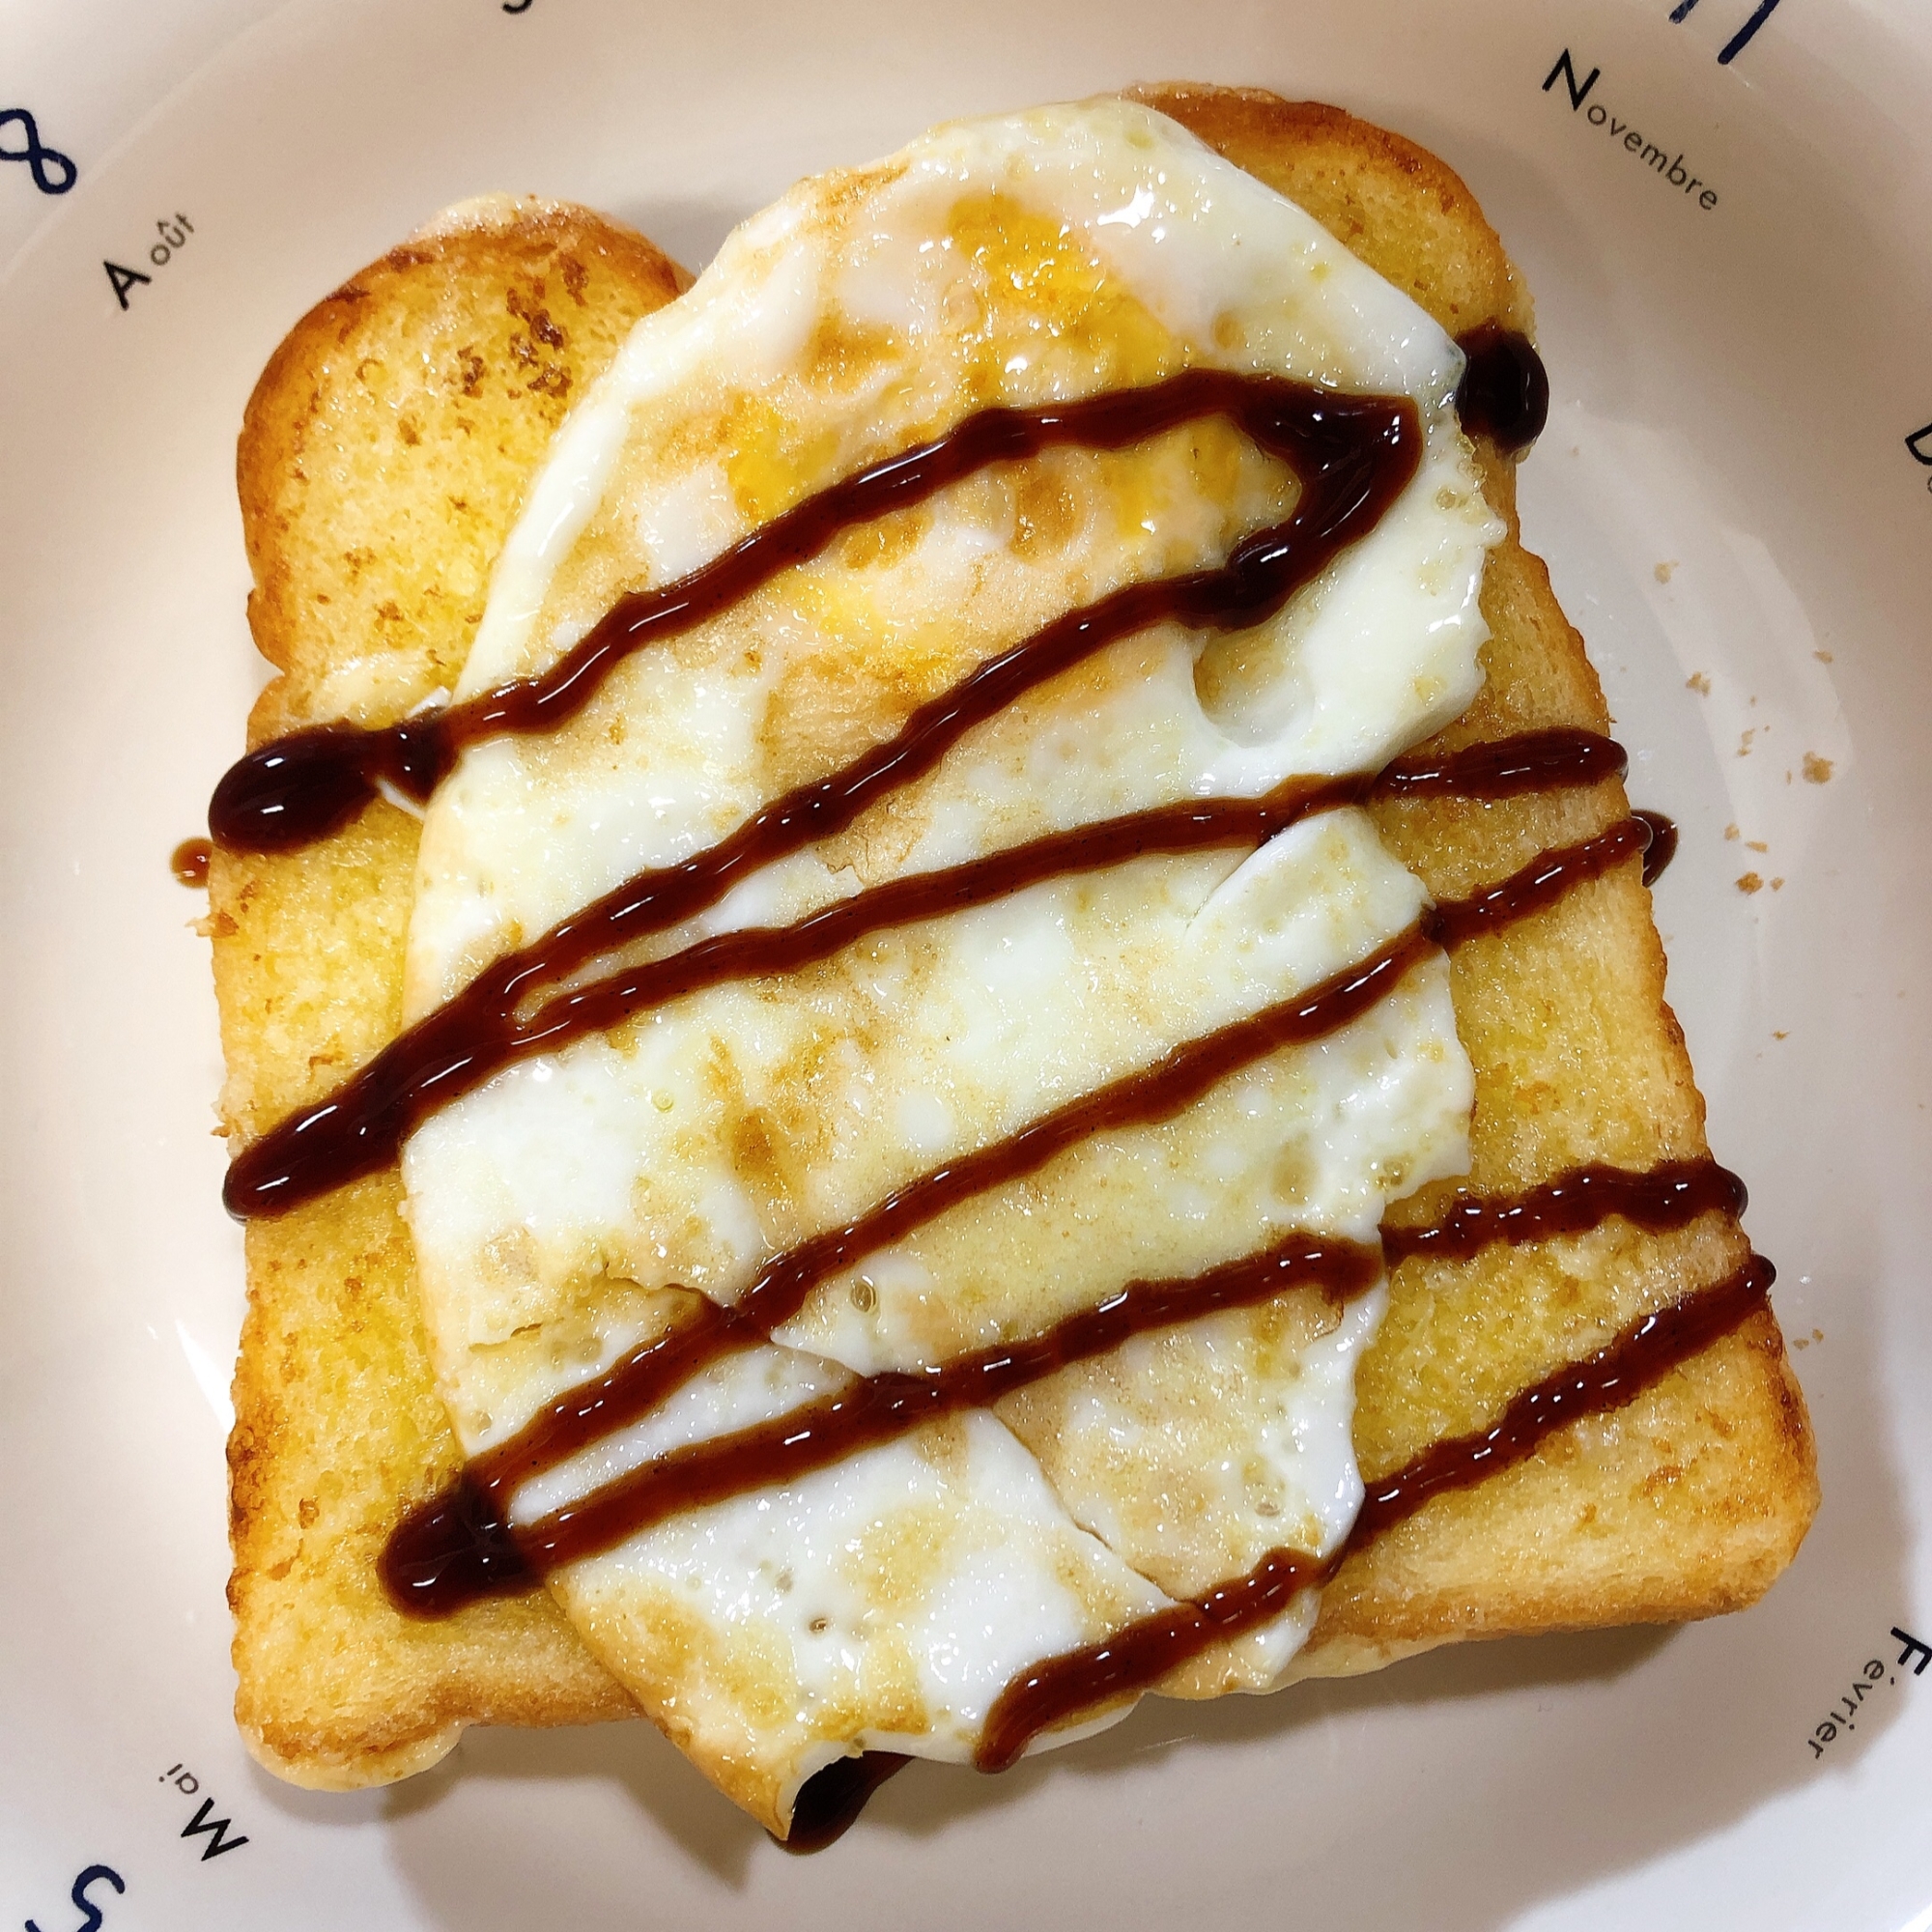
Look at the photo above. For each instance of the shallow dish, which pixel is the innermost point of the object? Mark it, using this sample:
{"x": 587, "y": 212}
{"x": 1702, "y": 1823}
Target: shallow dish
{"x": 1735, "y": 496}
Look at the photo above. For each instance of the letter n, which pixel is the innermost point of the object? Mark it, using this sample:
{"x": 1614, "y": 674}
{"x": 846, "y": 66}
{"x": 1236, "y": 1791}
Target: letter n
{"x": 1578, "y": 95}
{"x": 219, "y": 1843}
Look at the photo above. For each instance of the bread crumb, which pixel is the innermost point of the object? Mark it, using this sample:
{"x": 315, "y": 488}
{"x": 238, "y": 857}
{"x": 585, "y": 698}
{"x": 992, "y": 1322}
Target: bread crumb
{"x": 1817, "y": 770}
{"x": 1699, "y": 683}
{"x": 1751, "y": 883}
{"x": 1777, "y": 885}
{"x": 1663, "y": 571}
{"x": 1732, "y": 831}
{"x": 1757, "y": 845}
{"x": 1776, "y": 1034}
{"x": 1743, "y": 743}
{"x": 1824, "y": 656}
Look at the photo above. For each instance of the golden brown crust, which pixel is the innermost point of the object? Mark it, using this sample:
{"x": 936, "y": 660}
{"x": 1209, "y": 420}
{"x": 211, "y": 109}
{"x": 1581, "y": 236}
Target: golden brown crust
{"x": 379, "y": 475}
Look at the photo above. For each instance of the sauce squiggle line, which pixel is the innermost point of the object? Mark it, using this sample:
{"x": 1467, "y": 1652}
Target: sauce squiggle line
{"x": 361, "y": 1126}
{"x": 1352, "y": 454}
{"x": 458, "y": 1545}
{"x": 1078, "y": 1682}
{"x": 882, "y": 1407}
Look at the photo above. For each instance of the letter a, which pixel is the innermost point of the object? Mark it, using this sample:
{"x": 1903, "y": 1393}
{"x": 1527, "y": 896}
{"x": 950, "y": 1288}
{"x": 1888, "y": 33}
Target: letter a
{"x": 123, "y": 279}
{"x": 1568, "y": 73}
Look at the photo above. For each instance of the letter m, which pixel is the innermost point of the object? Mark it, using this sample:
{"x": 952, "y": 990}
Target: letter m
{"x": 1568, "y": 73}
{"x": 220, "y": 1842}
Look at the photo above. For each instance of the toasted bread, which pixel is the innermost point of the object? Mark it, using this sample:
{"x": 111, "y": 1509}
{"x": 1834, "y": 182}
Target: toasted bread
{"x": 384, "y": 456}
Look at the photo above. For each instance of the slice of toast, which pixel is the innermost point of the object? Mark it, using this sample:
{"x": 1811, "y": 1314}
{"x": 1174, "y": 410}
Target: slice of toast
{"x": 383, "y": 459}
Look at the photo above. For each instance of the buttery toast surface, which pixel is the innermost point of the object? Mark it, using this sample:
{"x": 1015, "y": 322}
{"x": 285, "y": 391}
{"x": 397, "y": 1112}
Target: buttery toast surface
{"x": 383, "y": 460}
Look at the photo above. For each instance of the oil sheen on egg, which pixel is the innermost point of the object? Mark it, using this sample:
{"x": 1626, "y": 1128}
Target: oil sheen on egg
{"x": 885, "y": 1601}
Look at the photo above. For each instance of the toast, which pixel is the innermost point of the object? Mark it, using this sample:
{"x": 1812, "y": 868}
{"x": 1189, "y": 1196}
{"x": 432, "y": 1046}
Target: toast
{"x": 374, "y": 497}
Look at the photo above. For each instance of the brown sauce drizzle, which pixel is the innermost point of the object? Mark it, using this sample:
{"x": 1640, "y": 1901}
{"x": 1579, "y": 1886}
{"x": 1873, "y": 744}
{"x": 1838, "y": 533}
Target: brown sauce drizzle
{"x": 1504, "y": 393}
{"x": 1670, "y": 1195}
{"x": 829, "y": 1801}
{"x": 1537, "y": 886}
{"x": 1642, "y": 1354}
{"x": 876, "y": 1409}
{"x": 1354, "y": 455}
{"x": 303, "y": 786}
{"x": 1638, "y": 1357}
{"x": 1662, "y": 846}
{"x": 1506, "y": 767}
{"x": 452, "y": 1550}
{"x": 417, "y": 1559}
{"x": 188, "y": 862}
{"x": 455, "y": 1548}
{"x": 361, "y": 1126}
{"x": 1063, "y": 1686}
{"x": 456, "y": 1545}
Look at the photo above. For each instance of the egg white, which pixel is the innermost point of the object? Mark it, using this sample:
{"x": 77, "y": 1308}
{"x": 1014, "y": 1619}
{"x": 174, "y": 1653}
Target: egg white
{"x": 1037, "y": 256}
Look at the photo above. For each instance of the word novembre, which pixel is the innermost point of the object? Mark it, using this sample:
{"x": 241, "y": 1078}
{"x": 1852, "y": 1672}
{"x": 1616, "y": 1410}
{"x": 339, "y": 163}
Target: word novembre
{"x": 1660, "y": 159}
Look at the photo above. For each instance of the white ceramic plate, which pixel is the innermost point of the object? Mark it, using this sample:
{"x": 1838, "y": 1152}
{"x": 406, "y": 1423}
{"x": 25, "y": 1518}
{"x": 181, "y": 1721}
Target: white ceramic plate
{"x": 1727, "y": 493}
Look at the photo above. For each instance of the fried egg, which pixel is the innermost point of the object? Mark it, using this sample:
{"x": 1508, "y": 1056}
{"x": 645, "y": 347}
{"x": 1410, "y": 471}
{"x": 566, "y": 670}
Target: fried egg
{"x": 568, "y": 1209}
